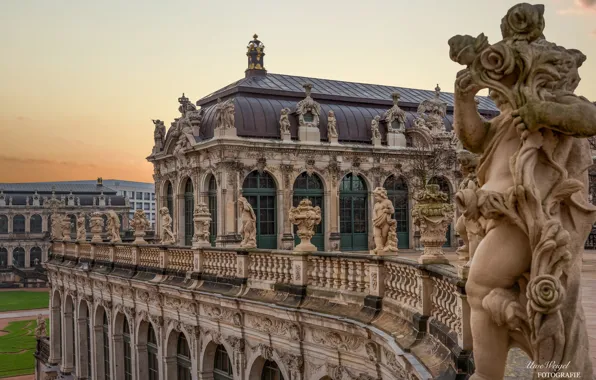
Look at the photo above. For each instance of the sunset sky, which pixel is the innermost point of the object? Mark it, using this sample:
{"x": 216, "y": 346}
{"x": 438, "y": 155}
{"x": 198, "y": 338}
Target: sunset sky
{"x": 81, "y": 80}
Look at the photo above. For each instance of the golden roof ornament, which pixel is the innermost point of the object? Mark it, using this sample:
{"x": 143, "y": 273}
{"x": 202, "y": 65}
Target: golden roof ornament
{"x": 255, "y": 53}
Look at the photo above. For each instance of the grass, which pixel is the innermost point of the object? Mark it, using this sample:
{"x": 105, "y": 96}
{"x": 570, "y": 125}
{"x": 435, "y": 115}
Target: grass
{"x": 17, "y": 348}
{"x": 20, "y": 300}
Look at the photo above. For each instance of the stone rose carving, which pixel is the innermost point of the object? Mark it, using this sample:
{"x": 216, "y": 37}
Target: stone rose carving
{"x": 113, "y": 227}
{"x": 202, "y": 221}
{"x": 305, "y": 217}
{"x": 385, "y": 227}
{"x": 533, "y": 195}
{"x": 81, "y": 228}
{"x": 139, "y": 223}
{"x": 331, "y": 125}
{"x": 167, "y": 234}
{"x": 96, "y": 224}
{"x": 249, "y": 224}
{"x": 65, "y": 225}
{"x": 432, "y": 214}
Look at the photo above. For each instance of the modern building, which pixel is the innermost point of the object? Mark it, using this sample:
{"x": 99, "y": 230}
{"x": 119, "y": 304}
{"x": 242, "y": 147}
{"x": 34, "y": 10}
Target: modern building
{"x": 141, "y": 195}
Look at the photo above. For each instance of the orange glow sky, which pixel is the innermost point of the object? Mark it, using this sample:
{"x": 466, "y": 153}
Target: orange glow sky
{"x": 80, "y": 81}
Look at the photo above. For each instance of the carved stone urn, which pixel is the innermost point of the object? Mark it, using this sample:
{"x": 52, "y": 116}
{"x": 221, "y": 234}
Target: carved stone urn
{"x": 432, "y": 214}
{"x": 96, "y": 225}
{"x": 202, "y": 221}
{"x": 140, "y": 223}
{"x": 65, "y": 225}
{"x": 305, "y": 217}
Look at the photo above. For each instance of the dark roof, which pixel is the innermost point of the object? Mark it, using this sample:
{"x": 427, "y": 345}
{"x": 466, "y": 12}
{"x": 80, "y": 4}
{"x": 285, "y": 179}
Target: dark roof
{"x": 85, "y": 199}
{"x": 59, "y": 188}
{"x": 334, "y": 90}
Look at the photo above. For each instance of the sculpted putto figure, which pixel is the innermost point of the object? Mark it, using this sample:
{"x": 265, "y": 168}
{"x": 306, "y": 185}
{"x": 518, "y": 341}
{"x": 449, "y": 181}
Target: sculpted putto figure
{"x": 331, "y": 125}
{"x": 224, "y": 114}
{"x": 249, "y": 224}
{"x": 385, "y": 227}
{"x": 305, "y": 217}
{"x": 284, "y": 121}
{"x": 140, "y": 223}
{"x": 524, "y": 282}
{"x": 374, "y": 127}
{"x": 167, "y": 234}
{"x": 113, "y": 227}
{"x": 81, "y": 229}
{"x": 468, "y": 227}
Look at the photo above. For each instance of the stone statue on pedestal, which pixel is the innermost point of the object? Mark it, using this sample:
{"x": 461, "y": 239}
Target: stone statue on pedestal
{"x": 167, "y": 234}
{"x": 249, "y": 224}
{"x": 65, "y": 225}
{"x": 81, "y": 228}
{"x": 113, "y": 228}
{"x": 331, "y": 126}
{"x": 96, "y": 225}
{"x": 524, "y": 282}
{"x": 139, "y": 223}
{"x": 56, "y": 227}
{"x": 40, "y": 330}
{"x": 305, "y": 217}
{"x": 385, "y": 227}
{"x": 202, "y": 221}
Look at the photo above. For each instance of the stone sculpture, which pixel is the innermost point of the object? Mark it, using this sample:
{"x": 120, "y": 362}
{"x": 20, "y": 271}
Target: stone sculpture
{"x": 40, "y": 330}
{"x": 159, "y": 135}
{"x": 96, "y": 225}
{"x": 433, "y": 112}
{"x": 139, "y": 223}
{"x": 385, "y": 227}
{"x": 202, "y": 221}
{"x": 81, "y": 228}
{"x": 56, "y": 227}
{"x": 66, "y": 226}
{"x": 432, "y": 214}
{"x": 167, "y": 233}
{"x": 374, "y": 128}
{"x": 305, "y": 217}
{"x": 395, "y": 116}
{"x": 284, "y": 125}
{"x": 308, "y": 109}
{"x": 113, "y": 227}
{"x": 331, "y": 126}
{"x": 224, "y": 114}
{"x": 181, "y": 146}
{"x": 249, "y": 224}
{"x": 524, "y": 282}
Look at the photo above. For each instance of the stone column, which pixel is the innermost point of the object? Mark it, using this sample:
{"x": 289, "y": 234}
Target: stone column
{"x": 333, "y": 215}
{"x": 27, "y": 223}
{"x": 10, "y": 223}
{"x": 55, "y": 331}
{"x": 44, "y": 222}
{"x": 10, "y": 256}
{"x": 229, "y": 221}
{"x": 82, "y": 348}
{"x": 67, "y": 340}
{"x": 27, "y": 256}
{"x": 179, "y": 219}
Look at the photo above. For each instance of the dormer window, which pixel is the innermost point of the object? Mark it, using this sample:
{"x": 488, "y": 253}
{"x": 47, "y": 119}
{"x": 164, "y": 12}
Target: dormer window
{"x": 395, "y": 124}
{"x": 309, "y": 117}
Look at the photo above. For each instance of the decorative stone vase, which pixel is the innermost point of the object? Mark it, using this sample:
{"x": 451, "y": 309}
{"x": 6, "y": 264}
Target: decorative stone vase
{"x": 65, "y": 225}
{"x": 305, "y": 217}
{"x": 202, "y": 221}
{"x": 96, "y": 225}
{"x": 140, "y": 223}
{"x": 432, "y": 214}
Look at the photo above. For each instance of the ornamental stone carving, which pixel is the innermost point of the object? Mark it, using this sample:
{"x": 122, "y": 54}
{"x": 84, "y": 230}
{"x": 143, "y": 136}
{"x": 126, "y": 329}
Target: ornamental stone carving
{"x": 385, "y": 227}
{"x": 96, "y": 224}
{"x": 167, "y": 234}
{"x": 332, "y": 134}
{"x": 139, "y": 223}
{"x": 346, "y": 342}
{"x": 113, "y": 227}
{"x": 432, "y": 112}
{"x": 375, "y": 132}
{"x": 395, "y": 117}
{"x": 56, "y": 227}
{"x": 40, "y": 330}
{"x": 202, "y": 221}
{"x": 284, "y": 125}
{"x": 224, "y": 115}
{"x": 81, "y": 228}
{"x": 248, "y": 230}
{"x": 66, "y": 226}
{"x": 159, "y": 136}
{"x": 305, "y": 217}
{"x": 524, "y": 282}
{"x": 432, "y": 214}
{"x": 308, "y": 110}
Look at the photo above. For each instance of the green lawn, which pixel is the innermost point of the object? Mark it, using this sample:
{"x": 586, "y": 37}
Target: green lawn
{"x": 17, "y": 348}
{"x": 20, "y": 300}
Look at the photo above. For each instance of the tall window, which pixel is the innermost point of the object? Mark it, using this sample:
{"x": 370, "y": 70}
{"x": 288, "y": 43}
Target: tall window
{"x": 397, "y": 191}
{"x": 106, "y": 347}
{"x": 170, "y": 199}
{"x": 35, "y": 224}
{"x": 73, "y": 345}
{"x": 18, "y": 224}
{"x": 18, "y": 257}
{"x": 183, "y": 359}
{"x": 353, "y": 214}
{"x": 88, "y": 326}
{"x": 212, "y": 196}
{"x": 189, "y": 207}
{"x": 3, "y": 224}
{"x": 35, "y": 256}
{"x": 127, "y": 350}
{"x": 222, "y": 368}
{"x": 4, "y": 258}
{"x": 311, "y": 187}
{"x": 152, "y": 354}
{"x": 271, "y": 371}
{"x": 260, "y": 191}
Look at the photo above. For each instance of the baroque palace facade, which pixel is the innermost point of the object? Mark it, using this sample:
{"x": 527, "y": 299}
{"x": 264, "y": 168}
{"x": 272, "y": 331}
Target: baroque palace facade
{"x": 185, "y": 311}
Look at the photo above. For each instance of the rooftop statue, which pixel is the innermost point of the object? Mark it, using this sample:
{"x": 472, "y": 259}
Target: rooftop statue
{"x": 284, "y": 121}
{"x": 331, "y": 125}
{"x": 167, "y": 233}
{"x": 224, "y": 114}
{"x": 81, "y": 228}
{"x": 113, "y": 227}
{"x": 524, "y": 282}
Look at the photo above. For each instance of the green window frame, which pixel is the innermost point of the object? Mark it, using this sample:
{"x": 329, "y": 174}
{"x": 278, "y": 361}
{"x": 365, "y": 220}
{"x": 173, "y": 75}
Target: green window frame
{"x": 311, "y": 187}
{"x": 260, "y": 191}
{"x": 353, "y": 213}
{"x": 397, "y": 192}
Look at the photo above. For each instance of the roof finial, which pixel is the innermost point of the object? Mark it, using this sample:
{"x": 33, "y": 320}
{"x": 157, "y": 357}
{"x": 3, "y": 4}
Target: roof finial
{"x": 255, "y": 36}
{"x": 307, "y": 89}
{"x": 395, "y": 96}
{"x": 437, "y": 91}
{"x": 255, "y": 53}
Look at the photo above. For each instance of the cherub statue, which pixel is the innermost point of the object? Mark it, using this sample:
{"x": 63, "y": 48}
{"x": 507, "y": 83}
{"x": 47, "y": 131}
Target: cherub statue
{"x": 81, "y": 228}
{"x": 113, "y": 227}
{"x": 167, "y": 234}
{"x": 140, "y": 224}
{"x": 305, "y": 217}
{"x": 331, "y": 125}
{"x": 374, "y": 127}
{"x": 284, "y": 121}
{"x": 40, "y": 330}
{"x": 249, "y": 224}
{"x": 524, "y": 283}
{"x": 385, "y": 231}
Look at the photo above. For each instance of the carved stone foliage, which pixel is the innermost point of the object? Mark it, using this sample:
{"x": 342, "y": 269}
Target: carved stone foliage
{"x": 222, "y": 314}
{"x": 340, "y": 340}
{"x": 395, "y": 117}
{"x": 140, "y": 223}
{"x": 305, "y": 217}
{"x": 274, "y": 326}
{"x": 308, "y": 110}
{"x": 396, "y": 368}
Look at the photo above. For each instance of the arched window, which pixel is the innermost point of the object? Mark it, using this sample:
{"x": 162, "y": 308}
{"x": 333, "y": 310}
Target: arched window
{"x": 4, "y": 258}
{"x": 170, "y": 199}
{"x": 189, "y": 207}
{"x": 18, "y": 224}
{"x": 183, "y": 359}
{"x": 260, "y": 191}
{"x": 85, "y": 340}
{"x": 127, "y": 350}
{"x": 311, "y": 187}
{"x": 152, "y": 354}
{"x": 73, "y": 224}
{"x": 222, "y": 367}
{"x": 105, "y": 222}
{"x": 18, "y": 257}
{"x": 106, "y": 347}
{"x": 271, "y": 371}
{"x": 73, "y": 352}
{"x": 35, "y": 224}
{"x": 3, "y": 224}
{"x": 353, "y": 213}
{"x": 88, "y": 326}
{"x": 397, "y": 191}
{"x": 444, "y": 187}
{"x": 212, "y": 197}
{"x": 35, "y": 257}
